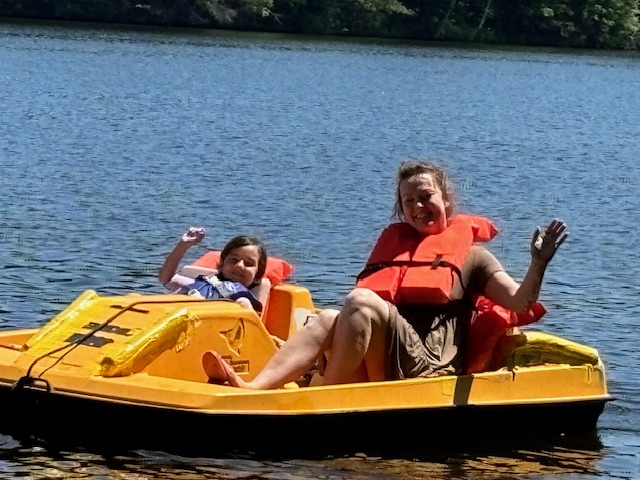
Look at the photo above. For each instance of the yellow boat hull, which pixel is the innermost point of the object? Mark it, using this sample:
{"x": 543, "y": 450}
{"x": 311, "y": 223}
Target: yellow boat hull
{"x": 126, "y": 371}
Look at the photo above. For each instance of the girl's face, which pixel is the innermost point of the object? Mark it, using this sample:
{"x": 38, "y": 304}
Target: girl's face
{"x": 422, "y": 204}
{"x": 241, "y": 265}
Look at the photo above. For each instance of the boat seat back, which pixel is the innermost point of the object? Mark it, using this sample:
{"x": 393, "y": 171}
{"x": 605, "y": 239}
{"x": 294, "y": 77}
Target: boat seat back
{"x": 287, "y": 309}
{"x": 241, "y": 337}
{"x": 236, "y": 333}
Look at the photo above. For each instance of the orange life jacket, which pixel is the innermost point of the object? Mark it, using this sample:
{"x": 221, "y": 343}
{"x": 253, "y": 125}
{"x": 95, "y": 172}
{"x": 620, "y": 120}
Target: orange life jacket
{"x": 489, "y": 323}
{"x": 405, "y": 268}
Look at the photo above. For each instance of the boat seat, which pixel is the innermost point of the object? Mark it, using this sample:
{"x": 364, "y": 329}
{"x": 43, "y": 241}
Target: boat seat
{"x": 287, "y": 310}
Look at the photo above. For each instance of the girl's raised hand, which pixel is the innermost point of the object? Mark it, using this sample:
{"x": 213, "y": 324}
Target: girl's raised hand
{"x": 544, "y": 245}
{"x": 193, "y": 236}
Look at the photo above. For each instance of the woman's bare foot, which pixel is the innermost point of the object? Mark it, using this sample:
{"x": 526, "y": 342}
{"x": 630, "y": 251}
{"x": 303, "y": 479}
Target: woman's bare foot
{"x": 220, "y": 371}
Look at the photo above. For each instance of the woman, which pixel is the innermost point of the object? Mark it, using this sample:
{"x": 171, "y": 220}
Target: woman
{"x": 410, "y": 333}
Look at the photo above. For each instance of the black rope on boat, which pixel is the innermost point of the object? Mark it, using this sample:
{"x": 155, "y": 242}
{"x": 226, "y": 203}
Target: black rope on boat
{"x": 28, "y": 381}
{"x": 31, "y": 383}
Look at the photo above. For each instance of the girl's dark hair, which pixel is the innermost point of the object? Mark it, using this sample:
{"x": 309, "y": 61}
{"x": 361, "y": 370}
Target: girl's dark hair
{"x": 410, "y": 168}
{"x": 243, "y": 241}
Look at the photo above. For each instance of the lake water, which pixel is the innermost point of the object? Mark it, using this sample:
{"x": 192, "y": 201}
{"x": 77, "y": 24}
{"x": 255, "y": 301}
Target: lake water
{"x": 114, "y": 140}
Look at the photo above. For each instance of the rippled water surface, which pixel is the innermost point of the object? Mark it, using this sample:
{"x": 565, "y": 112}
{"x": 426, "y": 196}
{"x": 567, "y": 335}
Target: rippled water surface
{"x": 114, "y": 140}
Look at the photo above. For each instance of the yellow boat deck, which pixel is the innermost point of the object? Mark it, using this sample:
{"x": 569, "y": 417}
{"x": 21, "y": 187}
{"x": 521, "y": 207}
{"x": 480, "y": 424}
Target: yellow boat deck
{"x": 147, "y": 349}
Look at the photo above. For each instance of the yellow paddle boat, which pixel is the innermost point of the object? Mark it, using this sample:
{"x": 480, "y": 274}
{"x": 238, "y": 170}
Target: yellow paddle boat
{"x": 125, "y": 372}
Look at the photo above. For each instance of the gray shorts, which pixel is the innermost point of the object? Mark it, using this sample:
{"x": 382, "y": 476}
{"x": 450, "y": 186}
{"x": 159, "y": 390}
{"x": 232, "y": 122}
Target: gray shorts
{"x": 410, "y": 356}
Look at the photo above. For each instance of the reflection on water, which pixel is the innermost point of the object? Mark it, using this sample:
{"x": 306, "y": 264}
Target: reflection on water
{"x": 581, "y": 458}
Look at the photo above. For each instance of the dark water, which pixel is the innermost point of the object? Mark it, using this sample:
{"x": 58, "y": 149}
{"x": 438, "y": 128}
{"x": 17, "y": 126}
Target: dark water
{"x": 114, "y": 140}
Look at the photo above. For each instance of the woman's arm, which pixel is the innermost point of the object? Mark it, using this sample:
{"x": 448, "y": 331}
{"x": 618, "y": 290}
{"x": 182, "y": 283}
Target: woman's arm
{"x": 191, "y": 237}
{"x": 504, "y": 290}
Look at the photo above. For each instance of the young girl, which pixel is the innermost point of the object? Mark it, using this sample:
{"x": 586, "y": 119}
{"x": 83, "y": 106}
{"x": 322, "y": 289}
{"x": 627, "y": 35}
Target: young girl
{"x": 239, "y": 276}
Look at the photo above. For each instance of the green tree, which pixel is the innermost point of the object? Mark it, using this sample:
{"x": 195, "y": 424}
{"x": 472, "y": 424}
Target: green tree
{"x": 370, "y": 17}
{"x": 611, "y": 23}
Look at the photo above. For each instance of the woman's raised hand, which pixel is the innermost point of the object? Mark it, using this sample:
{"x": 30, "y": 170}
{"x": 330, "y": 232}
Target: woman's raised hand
{"x": 193, "y": 236}
{"x": 545, "y": 244}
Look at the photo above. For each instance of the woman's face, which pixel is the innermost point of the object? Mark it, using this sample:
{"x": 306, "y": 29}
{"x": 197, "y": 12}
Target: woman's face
{"x": 422, "y": 204}
{"x": 241, "y": 265}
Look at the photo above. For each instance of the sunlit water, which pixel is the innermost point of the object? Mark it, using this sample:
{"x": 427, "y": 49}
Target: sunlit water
{"x": 114, "y": 140}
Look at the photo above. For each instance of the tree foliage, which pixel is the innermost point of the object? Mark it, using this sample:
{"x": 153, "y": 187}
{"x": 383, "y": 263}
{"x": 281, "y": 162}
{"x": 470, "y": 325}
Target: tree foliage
{"x": 575, "y": 23}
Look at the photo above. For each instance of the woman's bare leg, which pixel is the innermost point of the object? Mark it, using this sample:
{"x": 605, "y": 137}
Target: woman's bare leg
{"x": 358, "y": 347}
{"x": 297, "y": 356}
